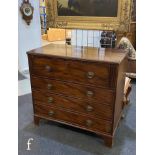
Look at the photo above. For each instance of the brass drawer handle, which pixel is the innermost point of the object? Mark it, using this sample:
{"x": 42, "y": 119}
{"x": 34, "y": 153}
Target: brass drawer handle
{"x": 49, "y": 86}
{"x": 48, "y": 68}
{"x": 90, "y": 75}
{"x": 51, "y": 113}
{"x": 90, "y": 93}
{"x": 50, "y": 100}
{"x": 89, "y": 123}
{"x": 89, "y": 108}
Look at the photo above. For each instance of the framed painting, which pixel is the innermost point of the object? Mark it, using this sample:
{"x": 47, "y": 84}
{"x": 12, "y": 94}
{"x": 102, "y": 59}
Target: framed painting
{"x": 90, "y": 14}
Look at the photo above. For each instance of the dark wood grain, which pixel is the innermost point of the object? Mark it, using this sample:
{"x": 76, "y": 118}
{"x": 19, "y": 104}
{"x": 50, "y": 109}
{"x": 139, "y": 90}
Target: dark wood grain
{"x": 74, "y": 71}
{"x": 84, "y": 90}
{"x": 103, "y": 96}
{"x": 81, "y": 53}
{"x": 36, "y": 120}
{"x": 73, "y": 118}
{"x": 121, "y": 69}
{"x": 79, "y": 106}
{"x": 108, "y": 141}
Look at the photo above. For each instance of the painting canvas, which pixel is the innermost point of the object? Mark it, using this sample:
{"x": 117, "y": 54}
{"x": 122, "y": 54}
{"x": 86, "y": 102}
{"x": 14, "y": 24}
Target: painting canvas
{"x": 90, "y": 14}
{"x": 96, "y": 8}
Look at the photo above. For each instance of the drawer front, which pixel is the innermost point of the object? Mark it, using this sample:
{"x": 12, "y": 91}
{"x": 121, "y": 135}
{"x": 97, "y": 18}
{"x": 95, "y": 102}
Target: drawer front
{"x": 73, "y": 119}
{"x": 94, "y": 110}
{"x": 77, "y": 71}
{"x": 74, "y": 90}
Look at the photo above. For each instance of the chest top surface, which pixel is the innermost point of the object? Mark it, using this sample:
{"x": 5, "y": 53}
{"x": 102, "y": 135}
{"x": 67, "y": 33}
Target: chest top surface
{"x": 83, "y": 53}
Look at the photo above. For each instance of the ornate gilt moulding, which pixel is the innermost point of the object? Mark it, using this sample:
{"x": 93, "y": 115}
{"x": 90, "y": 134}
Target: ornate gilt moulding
{"x": 120, "y": 22}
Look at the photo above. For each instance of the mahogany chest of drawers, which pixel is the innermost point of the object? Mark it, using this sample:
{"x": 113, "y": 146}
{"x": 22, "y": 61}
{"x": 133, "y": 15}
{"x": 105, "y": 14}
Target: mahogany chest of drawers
{"x": 80, "y": 87}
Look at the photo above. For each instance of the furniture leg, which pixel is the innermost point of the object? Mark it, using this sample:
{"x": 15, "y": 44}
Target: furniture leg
{"x": 108, "y": 141}
{"x": 36, "y": 120}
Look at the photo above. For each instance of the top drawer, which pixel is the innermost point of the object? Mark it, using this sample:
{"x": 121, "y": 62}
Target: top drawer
{"x": 95, "y": 73}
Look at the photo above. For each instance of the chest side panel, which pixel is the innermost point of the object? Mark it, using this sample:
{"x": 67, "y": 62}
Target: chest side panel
{"x": 121, "y": 70}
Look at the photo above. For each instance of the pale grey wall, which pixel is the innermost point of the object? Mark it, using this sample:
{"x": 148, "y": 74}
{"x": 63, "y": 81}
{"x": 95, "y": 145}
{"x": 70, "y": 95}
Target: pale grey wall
{"x": 29, "y": 37}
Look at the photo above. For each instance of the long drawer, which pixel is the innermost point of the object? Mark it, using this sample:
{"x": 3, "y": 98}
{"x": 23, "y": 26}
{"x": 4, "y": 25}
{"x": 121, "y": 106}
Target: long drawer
{"x": 95, "y": 73}
{"x": 76, "y": 105}
{"x": 73, "y": 119}
{"x": 89, "y": 93}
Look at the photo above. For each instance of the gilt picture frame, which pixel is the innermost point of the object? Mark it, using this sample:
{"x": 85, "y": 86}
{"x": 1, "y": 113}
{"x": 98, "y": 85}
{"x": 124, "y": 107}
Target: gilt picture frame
{"x": 119, "y": 20}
